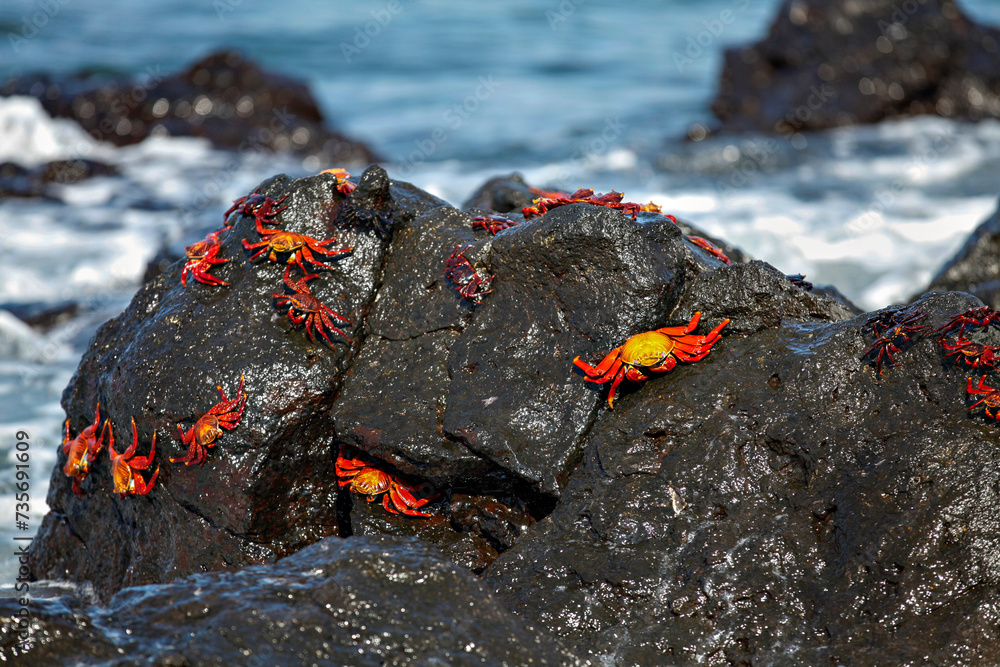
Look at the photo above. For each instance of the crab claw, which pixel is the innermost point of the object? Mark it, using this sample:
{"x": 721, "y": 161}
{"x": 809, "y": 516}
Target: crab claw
{"x": 404, "y": 501}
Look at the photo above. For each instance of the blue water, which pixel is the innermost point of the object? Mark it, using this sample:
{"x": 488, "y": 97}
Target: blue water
{"x": 557, "y": 79}
{"x": 572, "y": 95}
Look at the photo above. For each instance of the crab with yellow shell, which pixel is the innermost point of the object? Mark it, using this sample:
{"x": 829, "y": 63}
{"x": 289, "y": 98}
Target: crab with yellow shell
{"x": 651, "y": 352}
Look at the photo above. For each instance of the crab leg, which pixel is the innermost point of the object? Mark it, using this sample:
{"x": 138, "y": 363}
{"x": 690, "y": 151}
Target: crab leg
{"x": 636, "y": 375}
{"x": 708, "y": 339}
{"x": 614, "y": 388}
{"x": 338, "y": 316}
{"x": 129, "y": 451}
{"x": 680, "y": 331}
{"x": 141, "y": 462}
{"x": 305, "y": 253}
{"x": 346, "y": 466}
{"x": 602, "y": 368}
{"x": 300, "y": 285}
{"x": 206, "y": 278}
{"x": 309, "y": 328}
{"x": 329, "y": 324}
{"x": 260, "y": 252}
{"x": 691, "y": 358}
{"x": 322, "y": 331}
{"x": 142, "y": 487}
{"x": 67, "y": 439}
{"x": 404, "y": 501}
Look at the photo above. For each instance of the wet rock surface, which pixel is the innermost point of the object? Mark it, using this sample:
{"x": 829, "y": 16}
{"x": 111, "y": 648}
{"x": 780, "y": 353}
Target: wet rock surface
{"x": 975, "y": 268}
{"x": 360, "y": 601}
{"x": 756, "y": 296}
{"x": 503, "y": 194}
{"x": 393, "y": 400}
{"x": 826, "y": 64}
{"x": 514, "y": 399}
{"x": 778, "y": 503}
{"x": 224, "y": 97}
{"x": 269, "y": 486}
{"x": 511, "y": 193}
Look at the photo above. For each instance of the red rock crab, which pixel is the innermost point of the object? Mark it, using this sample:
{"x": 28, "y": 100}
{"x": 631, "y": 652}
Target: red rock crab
{"x": 369, "y": 481}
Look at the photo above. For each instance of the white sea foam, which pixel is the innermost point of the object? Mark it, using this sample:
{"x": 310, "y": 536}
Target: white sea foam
{"x": 874, "y": 210}
{"x": 18, "y": 340}
{"x": 30, "y": 137}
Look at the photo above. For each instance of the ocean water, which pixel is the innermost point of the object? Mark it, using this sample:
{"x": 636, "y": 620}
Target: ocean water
{"x": 571, "y": 94}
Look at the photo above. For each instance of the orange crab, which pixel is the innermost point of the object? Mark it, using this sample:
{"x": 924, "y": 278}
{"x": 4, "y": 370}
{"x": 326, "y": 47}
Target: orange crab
{"x": 711, "y": 248}
{"x": 362, "y": 478}
{"x": 224, "y": 415}
{"x": 124, "y": 467}
{"x": 990, "y": 397}
{"x": 82, "y": 450}
{"x": 657, "y": 350}
{"x": 974, "y": 317}
{"x": 469, "y": 283}
{"x": 303, "y": 307}
{"x": 297, "y": 246}
{"x": 201, "y": 256}
{"x": 612, "y": 199}
{"x": 344, "y": 186}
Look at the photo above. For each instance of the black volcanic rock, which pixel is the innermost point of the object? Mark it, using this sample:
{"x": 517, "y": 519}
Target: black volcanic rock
{"x": 511, "y": 193}
{"x": 756, "y": 296}
{"x": 360, "y": 601}
{"x": 573, "y": 281}
{"x": 223, "y": 97}
{"x": 478, "y": 405}
{"x": 975, "y": 268}
{"x": 268, "y": 487}
{"x": 778, "y": 503}
{"x": 392, "y": 402}
{"x": 826, "y": 64}
{"x": 503, "y": 194}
